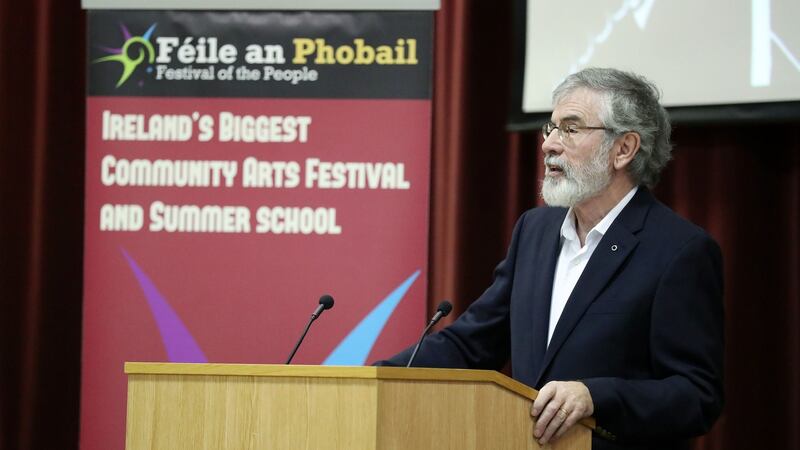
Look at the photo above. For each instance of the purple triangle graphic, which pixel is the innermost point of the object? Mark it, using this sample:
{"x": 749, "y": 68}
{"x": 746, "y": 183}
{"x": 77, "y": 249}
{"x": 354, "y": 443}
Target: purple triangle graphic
{"x": 178, "y": 341}
{"x": 125, "y": 33}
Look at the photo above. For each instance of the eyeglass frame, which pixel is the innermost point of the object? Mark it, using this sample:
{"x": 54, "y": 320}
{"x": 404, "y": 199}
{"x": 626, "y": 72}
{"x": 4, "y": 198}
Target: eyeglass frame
{"x": 570, "y": 128}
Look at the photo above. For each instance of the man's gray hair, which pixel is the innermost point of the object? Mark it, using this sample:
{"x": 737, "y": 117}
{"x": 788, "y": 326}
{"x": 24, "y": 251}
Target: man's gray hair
{"x": 630, "y": 103}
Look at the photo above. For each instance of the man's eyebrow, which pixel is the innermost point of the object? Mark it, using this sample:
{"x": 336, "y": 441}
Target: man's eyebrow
{"x": 572, "y": 118}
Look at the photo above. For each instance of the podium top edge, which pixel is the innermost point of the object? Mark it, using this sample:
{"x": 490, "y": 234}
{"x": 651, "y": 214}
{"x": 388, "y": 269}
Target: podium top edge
{"x": 357, "y": 372}
{"x": 306, "y": 5}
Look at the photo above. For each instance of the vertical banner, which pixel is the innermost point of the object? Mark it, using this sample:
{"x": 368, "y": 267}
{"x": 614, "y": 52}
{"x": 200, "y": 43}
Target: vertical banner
{"x": 239, "y": 166}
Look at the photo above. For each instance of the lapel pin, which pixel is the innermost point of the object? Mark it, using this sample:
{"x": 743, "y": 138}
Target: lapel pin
{"x": 614, "y": 248}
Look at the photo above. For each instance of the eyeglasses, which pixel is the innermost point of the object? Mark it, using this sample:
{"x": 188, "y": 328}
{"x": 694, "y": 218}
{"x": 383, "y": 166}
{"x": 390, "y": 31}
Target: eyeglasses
{"x": 567, "y": 131}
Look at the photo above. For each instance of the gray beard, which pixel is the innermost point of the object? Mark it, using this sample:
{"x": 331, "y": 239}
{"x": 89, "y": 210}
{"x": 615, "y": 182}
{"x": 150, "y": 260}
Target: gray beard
{"x": 577, "y": 183}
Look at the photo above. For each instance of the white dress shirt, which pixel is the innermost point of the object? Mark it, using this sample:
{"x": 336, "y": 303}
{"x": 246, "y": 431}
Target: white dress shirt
{"x": 573, "y": 258}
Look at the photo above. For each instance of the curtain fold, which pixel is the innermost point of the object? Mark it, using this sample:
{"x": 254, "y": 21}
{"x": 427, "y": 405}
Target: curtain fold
{"x": 470, "y": 148}
{"x": 41, "y": 195}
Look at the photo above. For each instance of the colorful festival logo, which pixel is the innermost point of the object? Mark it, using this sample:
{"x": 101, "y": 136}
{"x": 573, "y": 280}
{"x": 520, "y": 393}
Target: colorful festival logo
{"x": 124, "y": 55}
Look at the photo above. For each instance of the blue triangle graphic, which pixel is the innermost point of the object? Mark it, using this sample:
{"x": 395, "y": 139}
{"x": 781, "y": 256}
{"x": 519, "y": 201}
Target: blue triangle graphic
{"x": 354, "y": 349}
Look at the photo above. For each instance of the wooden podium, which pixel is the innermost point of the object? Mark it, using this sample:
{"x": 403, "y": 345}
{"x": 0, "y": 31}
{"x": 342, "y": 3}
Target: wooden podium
{"x": 279, "y": 407}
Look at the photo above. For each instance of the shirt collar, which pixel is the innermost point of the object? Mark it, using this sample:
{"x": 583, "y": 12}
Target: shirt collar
{"x": 569, "y": 232}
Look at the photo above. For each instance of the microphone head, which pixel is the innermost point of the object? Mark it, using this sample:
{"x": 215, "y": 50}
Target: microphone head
{"x": 445, "y": 307}
{"x": 326, "y": 301}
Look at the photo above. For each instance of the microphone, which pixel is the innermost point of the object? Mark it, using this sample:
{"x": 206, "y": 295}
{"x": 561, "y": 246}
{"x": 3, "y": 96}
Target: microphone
{"x": 325, "y": 302}
{"x": 442, "y": 311}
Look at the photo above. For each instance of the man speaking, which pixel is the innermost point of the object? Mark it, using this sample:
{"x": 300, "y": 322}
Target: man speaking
{"x": 607, "y": 301}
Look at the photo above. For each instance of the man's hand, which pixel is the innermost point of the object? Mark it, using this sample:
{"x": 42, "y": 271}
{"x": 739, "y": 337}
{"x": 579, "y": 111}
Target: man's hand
{"x": 559, "y": 406}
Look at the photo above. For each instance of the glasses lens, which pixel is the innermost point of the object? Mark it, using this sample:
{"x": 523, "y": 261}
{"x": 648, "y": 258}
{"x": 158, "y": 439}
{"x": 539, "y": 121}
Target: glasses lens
{"x": 547, "y": 128}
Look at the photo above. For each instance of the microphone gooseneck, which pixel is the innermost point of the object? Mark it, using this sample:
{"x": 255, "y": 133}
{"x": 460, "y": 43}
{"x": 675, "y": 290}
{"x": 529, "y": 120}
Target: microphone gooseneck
{"x": 442, "y": 311}
{"x": 325, "y": 302}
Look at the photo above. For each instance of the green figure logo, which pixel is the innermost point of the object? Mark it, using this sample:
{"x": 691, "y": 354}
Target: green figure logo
{"x": 122, "y": 55}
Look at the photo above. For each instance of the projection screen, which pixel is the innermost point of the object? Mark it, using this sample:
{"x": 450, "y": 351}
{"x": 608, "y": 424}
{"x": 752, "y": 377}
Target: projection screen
{"x": 710, "y": 52}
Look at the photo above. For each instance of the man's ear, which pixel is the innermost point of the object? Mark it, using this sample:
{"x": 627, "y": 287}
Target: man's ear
{"x": 627, "y": 147}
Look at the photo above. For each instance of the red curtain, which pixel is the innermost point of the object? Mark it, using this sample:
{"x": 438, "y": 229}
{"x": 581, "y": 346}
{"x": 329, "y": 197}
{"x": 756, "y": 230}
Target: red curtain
{"x": 41, "y": 230}
{"x": 741, "y": 183}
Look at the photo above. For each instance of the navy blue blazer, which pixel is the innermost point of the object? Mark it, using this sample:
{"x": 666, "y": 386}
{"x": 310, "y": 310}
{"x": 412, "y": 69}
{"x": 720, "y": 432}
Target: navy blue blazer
{"x": 643, "y": 328}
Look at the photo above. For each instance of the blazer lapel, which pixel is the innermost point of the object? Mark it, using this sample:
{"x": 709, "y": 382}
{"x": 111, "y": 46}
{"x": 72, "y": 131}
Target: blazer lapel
{"x": 545, "y": 263}
{"x": 611, "y": 252}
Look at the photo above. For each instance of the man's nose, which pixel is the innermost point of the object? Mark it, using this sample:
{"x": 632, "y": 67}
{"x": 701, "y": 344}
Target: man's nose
{"x": 552, "y": 144}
